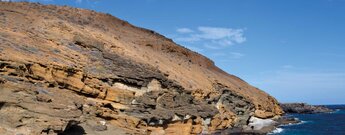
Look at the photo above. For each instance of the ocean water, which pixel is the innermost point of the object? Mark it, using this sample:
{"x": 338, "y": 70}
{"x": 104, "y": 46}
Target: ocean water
{"x": 317, "y": 124}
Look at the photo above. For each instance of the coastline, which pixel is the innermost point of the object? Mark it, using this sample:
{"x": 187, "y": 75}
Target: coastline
{"x": 315, "y": 123}
{"x": 261, "y": 127}
{"x": 257, "y": 126}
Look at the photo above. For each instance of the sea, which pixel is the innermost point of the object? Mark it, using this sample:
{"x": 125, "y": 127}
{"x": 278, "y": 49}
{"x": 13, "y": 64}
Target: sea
{"x": 316, "y": 124}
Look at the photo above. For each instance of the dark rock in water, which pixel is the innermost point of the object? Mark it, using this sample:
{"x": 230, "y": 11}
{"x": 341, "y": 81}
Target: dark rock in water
{"x": 304, "y": 108}
{"x": 285, "y": 120}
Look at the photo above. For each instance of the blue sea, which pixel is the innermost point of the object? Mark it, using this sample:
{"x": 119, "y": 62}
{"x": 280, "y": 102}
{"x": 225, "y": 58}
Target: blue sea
{"x": 317, "y": 124}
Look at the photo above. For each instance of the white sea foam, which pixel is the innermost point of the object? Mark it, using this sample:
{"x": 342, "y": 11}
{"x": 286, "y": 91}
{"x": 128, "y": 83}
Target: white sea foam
{"x": 302, "y": 122}
{"x": 292, "y": 124}
{"x": 277, "y": 131}
{"x": 335, "y": 111}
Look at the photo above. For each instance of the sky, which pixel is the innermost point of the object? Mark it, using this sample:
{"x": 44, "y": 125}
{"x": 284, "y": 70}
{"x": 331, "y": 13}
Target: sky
{"x": 292, "y": 49}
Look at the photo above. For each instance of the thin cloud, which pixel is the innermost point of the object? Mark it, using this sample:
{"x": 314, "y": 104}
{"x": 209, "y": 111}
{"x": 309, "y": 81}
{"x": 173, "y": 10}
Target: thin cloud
{"x": 225, "y": 35}
{"x": 217, "y": 36}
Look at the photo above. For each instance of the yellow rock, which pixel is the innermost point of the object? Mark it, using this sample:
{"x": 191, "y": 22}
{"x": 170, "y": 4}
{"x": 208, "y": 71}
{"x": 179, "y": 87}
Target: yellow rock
{"x": 119, "y": 95}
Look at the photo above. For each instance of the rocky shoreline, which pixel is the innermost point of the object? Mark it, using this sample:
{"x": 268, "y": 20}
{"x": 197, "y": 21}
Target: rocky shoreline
{"x": 257, "y": 126}
{"x": 304, "y": 108}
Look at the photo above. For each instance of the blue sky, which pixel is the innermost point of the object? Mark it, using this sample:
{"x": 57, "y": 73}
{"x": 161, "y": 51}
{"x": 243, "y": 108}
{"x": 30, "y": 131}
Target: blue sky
{"x": 292, "y": 49}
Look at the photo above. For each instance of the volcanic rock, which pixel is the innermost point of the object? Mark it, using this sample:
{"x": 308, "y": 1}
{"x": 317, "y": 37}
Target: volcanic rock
{"x": 304, "y": 108}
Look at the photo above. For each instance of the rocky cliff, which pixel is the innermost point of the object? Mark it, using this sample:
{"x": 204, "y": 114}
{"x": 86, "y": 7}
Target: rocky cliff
{"x": 65, "y": 70}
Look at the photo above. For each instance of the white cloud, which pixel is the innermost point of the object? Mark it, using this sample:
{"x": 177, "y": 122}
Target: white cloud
{"x": 225, "y": 35}
{"x": 217, "y": 36}
{"x": 184, "y": 30}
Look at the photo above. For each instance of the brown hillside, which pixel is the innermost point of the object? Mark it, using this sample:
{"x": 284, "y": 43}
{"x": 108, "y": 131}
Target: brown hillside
{"x": 63, "y": 68}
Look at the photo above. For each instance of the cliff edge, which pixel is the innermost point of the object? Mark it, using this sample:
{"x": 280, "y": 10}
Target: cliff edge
{"x": 65, "y": 70}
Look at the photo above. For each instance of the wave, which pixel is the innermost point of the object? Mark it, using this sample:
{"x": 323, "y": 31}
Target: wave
{"x": 302, "y": 122}
{"x": 293, "y": 124}
{"x": 334, "y": 111}
{"x": 277, "y": 131}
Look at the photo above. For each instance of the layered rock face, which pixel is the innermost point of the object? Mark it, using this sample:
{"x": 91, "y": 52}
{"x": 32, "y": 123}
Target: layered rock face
{"x": 65, "y": 70}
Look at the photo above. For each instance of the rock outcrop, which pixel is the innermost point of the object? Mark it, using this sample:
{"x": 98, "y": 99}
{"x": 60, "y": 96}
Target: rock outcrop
{"x": 304, "y": 108}
{"x": 257, "y": 126}
{"x": 65, "y": 70}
